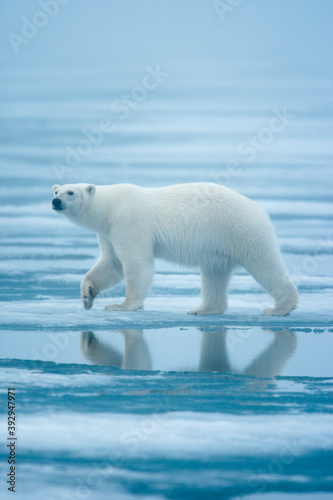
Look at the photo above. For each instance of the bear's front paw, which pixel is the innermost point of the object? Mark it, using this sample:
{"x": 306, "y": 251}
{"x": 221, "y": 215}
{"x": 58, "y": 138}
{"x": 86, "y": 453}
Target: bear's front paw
{"x": 125, "y": 306}
{"x": 88, "y": 293}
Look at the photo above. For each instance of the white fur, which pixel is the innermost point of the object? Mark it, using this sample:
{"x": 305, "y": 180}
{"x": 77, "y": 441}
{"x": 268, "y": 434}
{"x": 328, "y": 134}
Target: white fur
{"x": 198, "y": 225}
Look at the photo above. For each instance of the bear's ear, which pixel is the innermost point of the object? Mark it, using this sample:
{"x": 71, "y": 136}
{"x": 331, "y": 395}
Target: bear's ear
{"x": 55, "y": 187}
{"x": 91, "y": 189}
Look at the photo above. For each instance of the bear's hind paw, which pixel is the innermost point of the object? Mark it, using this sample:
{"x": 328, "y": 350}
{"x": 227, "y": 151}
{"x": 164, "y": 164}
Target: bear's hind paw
{"x": 200, "y": 311}
{"x": 278, "y": 311}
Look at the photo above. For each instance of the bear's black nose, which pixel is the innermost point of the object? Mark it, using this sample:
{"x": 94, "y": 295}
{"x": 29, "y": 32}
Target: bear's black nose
{"x": 56, "y": 204}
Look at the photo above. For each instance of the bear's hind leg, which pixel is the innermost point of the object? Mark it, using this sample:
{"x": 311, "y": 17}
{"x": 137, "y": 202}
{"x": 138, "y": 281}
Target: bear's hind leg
{"x": 271, "y": 274}
{"x": 215, "y": 282}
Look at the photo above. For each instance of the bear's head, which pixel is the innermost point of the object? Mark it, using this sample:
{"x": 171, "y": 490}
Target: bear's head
{"x": 72, "y": 200}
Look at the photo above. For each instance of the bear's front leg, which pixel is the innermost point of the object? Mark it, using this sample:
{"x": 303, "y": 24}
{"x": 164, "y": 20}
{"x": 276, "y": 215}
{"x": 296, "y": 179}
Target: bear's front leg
{"x": 88, "y": 292}
{"x": 139, "y": 275}
{"x": 106, "y": 273}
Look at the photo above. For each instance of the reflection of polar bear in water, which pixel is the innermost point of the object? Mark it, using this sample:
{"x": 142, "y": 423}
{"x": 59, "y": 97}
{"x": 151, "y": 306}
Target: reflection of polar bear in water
{"x": 214, "y": 355}
{"x": 136, "y": 357}
{"x": 199, "y": 225}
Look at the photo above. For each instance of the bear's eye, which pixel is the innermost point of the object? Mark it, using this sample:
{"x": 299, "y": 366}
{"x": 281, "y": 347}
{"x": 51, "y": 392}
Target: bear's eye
{"x": 70, "y": 193}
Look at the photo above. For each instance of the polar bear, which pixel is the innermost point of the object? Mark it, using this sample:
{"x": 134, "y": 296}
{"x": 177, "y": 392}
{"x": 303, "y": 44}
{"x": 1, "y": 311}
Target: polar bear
{"x": 203, "y": 225}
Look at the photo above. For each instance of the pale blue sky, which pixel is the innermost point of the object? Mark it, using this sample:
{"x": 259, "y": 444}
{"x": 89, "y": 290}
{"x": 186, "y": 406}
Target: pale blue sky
{"x": 137, "y": 32}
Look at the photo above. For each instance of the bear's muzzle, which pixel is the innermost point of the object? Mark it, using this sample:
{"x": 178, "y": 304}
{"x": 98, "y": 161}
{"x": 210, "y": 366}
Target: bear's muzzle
{"x": 57, "y": 204}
